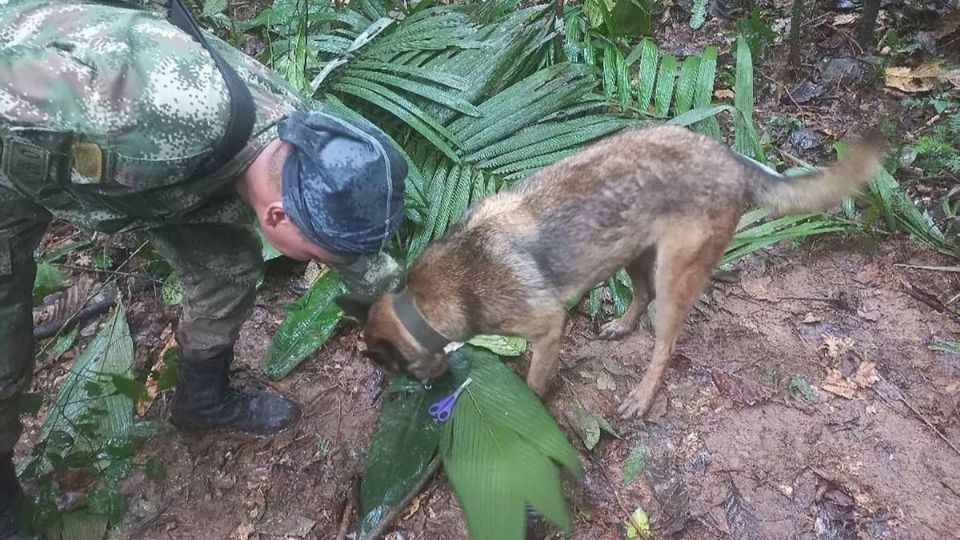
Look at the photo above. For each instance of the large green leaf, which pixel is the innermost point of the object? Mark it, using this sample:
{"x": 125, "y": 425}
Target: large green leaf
{"x": 306, "y": 327}
{"x": 501, "y": 449}
{"x": 666, "y": 78}
{"x": 647, "y": 75}
{"x": 48, "y": 281}
{"x": 746, "y": 140}
{"x": 698, "y": 15}
{"x": 687, "y": 84}
{"x": 110, "y": 353}
{"x": 703, "y": 96}
{"x": 404, "y": 443}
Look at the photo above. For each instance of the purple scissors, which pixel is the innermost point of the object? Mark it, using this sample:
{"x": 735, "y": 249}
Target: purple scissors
{"x": 441, "y": 410}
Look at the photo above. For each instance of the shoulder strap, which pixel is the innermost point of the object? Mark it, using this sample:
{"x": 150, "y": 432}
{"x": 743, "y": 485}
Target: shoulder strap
{"x": 240, "y": 124}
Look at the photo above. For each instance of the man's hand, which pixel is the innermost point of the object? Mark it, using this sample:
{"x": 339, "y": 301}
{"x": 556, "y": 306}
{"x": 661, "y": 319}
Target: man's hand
{"x": 370, "y": 274}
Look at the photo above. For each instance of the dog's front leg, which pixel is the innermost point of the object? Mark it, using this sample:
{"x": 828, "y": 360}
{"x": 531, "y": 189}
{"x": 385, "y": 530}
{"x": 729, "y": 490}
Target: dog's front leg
{"x": 546, "y": 353}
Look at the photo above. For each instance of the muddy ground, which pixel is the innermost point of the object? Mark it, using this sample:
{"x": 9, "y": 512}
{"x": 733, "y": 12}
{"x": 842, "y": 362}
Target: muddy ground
{"x": 859, "y": 462}
{"x": 803, "y": 400}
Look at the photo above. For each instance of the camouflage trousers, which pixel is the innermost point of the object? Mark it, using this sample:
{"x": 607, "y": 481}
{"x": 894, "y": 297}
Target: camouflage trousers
{"x": 219, "y": 265}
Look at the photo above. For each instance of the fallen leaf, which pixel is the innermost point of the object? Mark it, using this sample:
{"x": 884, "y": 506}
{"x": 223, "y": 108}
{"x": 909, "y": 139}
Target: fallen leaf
{"x": 670, "y": 491}
{"x": 844, "y": 19}
{"x": 413, "y": 507}
{"x": 635, "y": 464}
{"x": 588, "y": 429}
{"x": 169, "y": 341}
{"x": 736, "y": 388}
{"x": 638, "y": 524}
{"x": 614, "y": 367}
{"x": 724, "y": 93}
{"x": 243, "y": 531}
{"x": 810, "y": 318}
{"x": 589, "y": 426}
{"x": 952, "y": 77}
{"x": 846, "y": 387}
{"x": 865, "y": 376}
{"x": 835, "y": 346}
{"x": 837, "y": 385}
{"x": 606, "y": 382}
{"x": 920, "y": 78}
{"x": 740, "y": 517}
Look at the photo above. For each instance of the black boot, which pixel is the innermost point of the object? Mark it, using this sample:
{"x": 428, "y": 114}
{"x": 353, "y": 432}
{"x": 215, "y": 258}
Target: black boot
{"x": 204, "y": 401}
{"x": 10, "y": 498}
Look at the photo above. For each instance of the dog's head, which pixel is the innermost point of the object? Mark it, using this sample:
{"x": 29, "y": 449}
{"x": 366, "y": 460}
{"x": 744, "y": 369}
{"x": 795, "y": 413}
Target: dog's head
{"x": 389, "y": 344}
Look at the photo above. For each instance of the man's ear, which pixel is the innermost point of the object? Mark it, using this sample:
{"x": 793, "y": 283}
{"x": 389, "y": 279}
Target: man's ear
{"x": 355, "y": 306}
{"x": 274, "y": 214}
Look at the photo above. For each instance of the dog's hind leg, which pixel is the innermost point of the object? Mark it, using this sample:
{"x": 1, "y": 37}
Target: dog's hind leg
{"x": 641, "y": 272}
{"x": 546, "y": 352}
{"x": 685, "y": 262}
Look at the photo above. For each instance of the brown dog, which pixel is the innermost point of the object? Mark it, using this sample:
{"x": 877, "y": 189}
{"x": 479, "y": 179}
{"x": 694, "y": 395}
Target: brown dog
{"x": 662, "y": 197}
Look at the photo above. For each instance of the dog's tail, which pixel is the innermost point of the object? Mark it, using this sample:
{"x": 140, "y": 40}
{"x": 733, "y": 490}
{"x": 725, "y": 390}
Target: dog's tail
{"x": 817, "y": 191}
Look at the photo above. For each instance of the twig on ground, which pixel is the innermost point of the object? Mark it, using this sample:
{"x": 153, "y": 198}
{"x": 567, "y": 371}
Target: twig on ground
{"x": 352, "y": 495}
{"x": 916, "y": 413}
{"x": 954, "y": 269}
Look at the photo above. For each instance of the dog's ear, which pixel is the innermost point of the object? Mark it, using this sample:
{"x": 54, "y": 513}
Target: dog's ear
{"x": 386, "y": 357}
{"x": 355, "y": 306}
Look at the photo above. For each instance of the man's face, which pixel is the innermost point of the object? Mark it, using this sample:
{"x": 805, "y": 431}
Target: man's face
{"x": 260, "y": 187}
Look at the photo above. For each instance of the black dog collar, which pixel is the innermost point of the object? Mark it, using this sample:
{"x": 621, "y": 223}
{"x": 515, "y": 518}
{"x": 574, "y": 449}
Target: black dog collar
{"x": 414, "y": 323}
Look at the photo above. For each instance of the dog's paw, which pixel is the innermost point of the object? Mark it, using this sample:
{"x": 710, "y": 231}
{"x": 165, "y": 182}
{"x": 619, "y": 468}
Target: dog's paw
{"x": 615, "y": 329}
{"x": 637, "y": 403}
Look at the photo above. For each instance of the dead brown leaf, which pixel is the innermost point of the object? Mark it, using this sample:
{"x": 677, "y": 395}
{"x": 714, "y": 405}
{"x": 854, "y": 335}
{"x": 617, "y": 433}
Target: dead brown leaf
{"x": 843, "y": 19}
{"x": 737, "y": 388}
{"x": 169, "y": 340}
{"x": 919, "y": 79}
{"x": 836, "y": 347}
{"x": 810, "y": 318}
{"x": 837, "y": 385}
{"x": 952, "y": 77}
{"x": 243, "y": 531}
{"x": 724, "y": 93}
{"x": 846, "y": 387}
{"x": 412, "y": 508}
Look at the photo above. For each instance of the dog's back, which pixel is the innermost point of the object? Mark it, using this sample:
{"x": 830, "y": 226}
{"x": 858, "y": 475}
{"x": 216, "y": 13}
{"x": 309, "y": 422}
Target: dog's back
{"x": 603, "y": 206}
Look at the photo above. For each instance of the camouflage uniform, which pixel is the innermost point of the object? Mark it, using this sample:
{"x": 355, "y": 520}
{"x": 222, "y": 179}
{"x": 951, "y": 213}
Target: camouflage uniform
{"x": 104, "y": 111}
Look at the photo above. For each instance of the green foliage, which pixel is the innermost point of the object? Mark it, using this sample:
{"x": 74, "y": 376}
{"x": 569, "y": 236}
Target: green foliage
{"x": 698, "y": 15}
{"x": 48, "y": 281}
{"x": 500, "y": 450}
{"x": 405, "y": 442}
{"x": 754, "y": 234}
{"x": 798, "y": 386}
{"x": 306, "y": 327}
{"x": 755, "y": 30}
{"x": 89, "y": 429}
{"x": 590, "y": 426}
{"x": 172, "y": 290}
{"x": 939, "y": 152}
{"x": 746, "y": 141}
{"x": 500, "y": 345}
{"x": 635, "y": 464}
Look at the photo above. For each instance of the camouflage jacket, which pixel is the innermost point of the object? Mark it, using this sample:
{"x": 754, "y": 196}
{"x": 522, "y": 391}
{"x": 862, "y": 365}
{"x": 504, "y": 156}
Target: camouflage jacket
{"x": 105, "y": 108}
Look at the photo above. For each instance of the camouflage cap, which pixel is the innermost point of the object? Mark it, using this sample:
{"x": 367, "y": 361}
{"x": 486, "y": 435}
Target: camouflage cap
{"x": 342, "y": 182}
